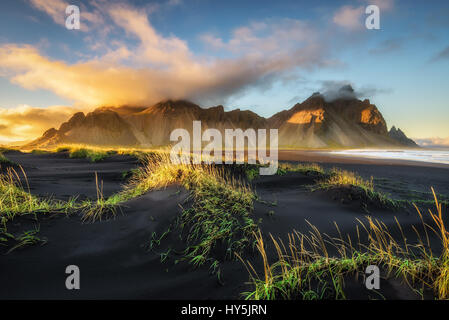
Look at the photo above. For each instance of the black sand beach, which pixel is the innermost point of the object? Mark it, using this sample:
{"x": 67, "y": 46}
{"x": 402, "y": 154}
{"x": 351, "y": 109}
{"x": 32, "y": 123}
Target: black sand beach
{"x": 113, "y": 254}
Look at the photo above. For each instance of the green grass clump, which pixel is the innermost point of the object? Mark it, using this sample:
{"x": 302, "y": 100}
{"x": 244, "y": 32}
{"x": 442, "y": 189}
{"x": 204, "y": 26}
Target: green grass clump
{"x": 5, "y": 161}
{"x": 338, "y": 177}
{"x": 92, "y": 155}
{"x": 95, "y": 210}
{"x": 138, "y": 153}
{"x": 345, "y": 185}
{"x": 15, "y": 200}
{"x": 305, "y": 269}
{"x": 39, "y": 151}
{"x": 354, "y": 187}
{"x": 27, "y": 238}
{"x": 251, "y": 171}
{"x": 310, "y": 169}
{"x": 220, "y": 215}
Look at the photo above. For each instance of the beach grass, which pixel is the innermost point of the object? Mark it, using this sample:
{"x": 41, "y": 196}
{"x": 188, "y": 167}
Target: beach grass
{"x": 5, "y": 161}
{"x": 343, "y": 184}
{"x": 16, "y": 199}
{"x": 98, "y": 153}
{"x": 27, "y": 238}
{"x": 39, "y": 151}
{"x": 355, "y": 187}
{"x": 219, "y": 224}
{"x": 220, "y": 214}
{"x": 310, "y": 169}
{"x": 91, "y": 154}
{"x": 306, "y": 269}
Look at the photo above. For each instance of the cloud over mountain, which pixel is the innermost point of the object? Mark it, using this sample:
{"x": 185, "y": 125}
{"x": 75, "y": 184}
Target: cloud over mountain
{"x": 314, "y": 123}
{"x": 155, "y": 67}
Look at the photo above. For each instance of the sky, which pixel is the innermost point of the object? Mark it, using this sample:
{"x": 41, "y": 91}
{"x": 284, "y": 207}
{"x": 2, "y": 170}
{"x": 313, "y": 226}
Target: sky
{"x": 260, "y": 55}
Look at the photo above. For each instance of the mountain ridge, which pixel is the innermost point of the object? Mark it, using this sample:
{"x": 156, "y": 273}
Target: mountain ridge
{"x": 317, "y": 122}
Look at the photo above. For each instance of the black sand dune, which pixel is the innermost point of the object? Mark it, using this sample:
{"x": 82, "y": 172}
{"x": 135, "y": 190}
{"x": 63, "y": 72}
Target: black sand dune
{"x": 112, "y": 254}
{"x": 57, "y": 175}
{"x": 389, "y": 174}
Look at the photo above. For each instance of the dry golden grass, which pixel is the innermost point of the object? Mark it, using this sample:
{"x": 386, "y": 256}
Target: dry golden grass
{"x": 338, "y": 177}
{"x": 301, "y": 167}
{"x": 305, "y": 259}
{"x": 5, "y": 161}
{"x": 220, "y": 212}
{"x": 16, "y": 199}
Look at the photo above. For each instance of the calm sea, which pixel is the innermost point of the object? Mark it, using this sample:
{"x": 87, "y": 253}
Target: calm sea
{"x": 424, "y": 155}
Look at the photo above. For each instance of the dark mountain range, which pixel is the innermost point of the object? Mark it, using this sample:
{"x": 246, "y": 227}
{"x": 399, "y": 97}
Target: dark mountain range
{"x": 315, "y": 123}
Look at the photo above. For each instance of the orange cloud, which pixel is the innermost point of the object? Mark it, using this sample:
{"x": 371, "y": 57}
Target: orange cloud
{"x": 154, "y": 68}
{"x": 164, "y": 67}
{"x": 349, "y": 17}
{"x": 25, "y": 122}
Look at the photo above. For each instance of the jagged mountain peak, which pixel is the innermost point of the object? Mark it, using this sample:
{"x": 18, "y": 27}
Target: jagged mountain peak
{"x": 315, "y": 122}
{"x": 398, "y": 135}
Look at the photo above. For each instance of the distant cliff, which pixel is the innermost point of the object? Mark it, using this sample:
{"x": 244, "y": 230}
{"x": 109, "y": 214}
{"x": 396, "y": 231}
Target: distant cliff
{"x": 399, "y": 136}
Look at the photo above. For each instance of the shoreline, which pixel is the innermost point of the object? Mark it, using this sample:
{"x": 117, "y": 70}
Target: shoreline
{"x": 309, "y": 155}
{"x": 327, "y": 157}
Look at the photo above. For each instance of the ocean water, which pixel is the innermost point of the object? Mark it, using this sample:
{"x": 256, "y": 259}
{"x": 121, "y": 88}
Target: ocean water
{"x": 423, "y": 155}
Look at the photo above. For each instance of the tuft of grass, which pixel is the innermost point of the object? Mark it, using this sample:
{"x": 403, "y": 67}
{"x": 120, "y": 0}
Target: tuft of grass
{"x": 5, "y": 161}
{"x": 39, "y": 151}
{"x": 305, "y": 268}
{"x": 356, "y": 188}
{"x": 92, "y": 155}
{"x": 251, "y": 171}
{"x": 312, "y": 169}
{"x": 129, "y": 173}
{"x": 338, "y": 177}
{"x": 220, "y": 216}
{"x": 119, "y": 150}
{"x": 219, "y": 219}
{"x": 96, "y": 210}
{"x": 27, "y": 238}
{"x": 309, "y": 169}
{"x": 345, "y": 185}
{"x": 15, "y": 200}
{"x": 98, "y": 153}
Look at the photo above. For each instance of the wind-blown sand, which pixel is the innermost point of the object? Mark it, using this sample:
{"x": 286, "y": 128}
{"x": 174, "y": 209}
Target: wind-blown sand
{"x": 112, "y": 254}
